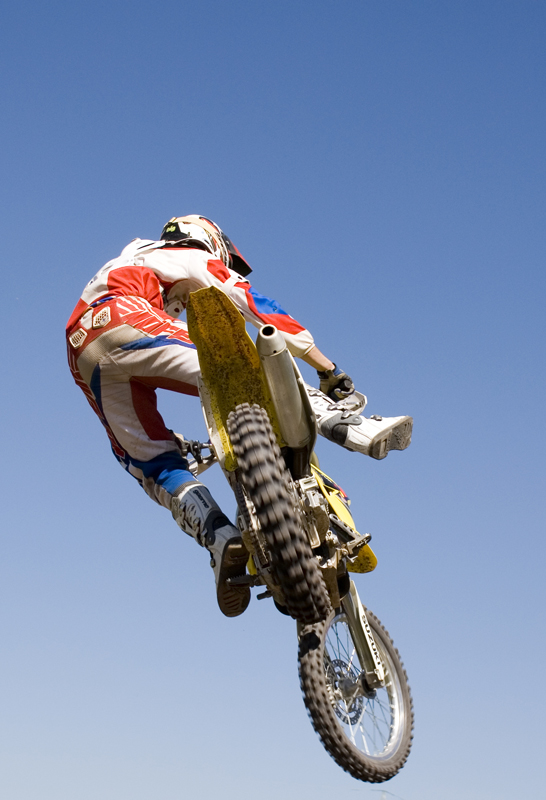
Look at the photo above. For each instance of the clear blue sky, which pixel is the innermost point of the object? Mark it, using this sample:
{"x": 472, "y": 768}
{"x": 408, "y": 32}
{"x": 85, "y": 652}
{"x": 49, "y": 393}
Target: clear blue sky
{"x": 381, "y": 165}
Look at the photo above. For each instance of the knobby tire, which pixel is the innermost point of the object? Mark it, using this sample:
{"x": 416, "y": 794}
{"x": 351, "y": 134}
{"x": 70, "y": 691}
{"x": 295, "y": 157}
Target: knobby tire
{"x": 330, "y": 716}
{"x": 267, "y": 481}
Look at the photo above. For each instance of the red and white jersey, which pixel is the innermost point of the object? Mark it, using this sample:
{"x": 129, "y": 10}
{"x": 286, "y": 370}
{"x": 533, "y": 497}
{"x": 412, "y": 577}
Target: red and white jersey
{"x": 164, "y": 274}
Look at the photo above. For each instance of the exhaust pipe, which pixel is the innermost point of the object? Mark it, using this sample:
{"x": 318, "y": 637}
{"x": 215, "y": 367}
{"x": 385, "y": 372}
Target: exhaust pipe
{"x": 280, "y": 371}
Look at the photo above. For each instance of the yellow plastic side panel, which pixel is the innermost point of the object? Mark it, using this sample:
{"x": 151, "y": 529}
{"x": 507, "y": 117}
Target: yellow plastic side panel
{"x": 366, "y": 561}
{"x": 229, "y": 361}
{"x": 338, "y": 506}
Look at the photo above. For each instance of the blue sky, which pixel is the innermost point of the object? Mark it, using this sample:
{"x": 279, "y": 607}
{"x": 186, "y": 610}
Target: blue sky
{"x": 381, "y": 165}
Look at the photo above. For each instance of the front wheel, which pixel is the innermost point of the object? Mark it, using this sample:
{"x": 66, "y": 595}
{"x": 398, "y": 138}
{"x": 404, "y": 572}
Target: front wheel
{"x": 367, "y": 733}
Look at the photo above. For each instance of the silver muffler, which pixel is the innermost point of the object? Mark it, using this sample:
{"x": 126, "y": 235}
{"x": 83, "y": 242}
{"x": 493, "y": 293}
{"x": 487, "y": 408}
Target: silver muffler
{"x": 296, "y": 418}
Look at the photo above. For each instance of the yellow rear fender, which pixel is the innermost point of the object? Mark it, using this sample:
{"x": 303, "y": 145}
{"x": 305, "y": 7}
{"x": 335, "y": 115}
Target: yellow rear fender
{"x": 230, "y": 367}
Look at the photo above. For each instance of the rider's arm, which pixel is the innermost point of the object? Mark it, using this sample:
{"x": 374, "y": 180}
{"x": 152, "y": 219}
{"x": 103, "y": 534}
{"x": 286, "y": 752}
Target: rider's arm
{"x": 261, "y": 310}
{"x": 185, "y": 270}
{"x": 333, "y": 381}
{"x": 318, "y": 360}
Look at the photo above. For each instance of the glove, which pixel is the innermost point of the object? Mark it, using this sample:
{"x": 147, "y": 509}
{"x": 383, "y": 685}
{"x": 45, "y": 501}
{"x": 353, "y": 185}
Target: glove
{"x": 335, "y": 383}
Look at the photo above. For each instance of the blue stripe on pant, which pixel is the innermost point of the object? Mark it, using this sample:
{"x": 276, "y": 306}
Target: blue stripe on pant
{"x": 169, "y": 470}
{"x": 162, "y": 477}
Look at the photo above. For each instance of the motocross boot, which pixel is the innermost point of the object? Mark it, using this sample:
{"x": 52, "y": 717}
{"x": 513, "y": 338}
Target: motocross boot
{"x": 374, "y": 436}
{"x": 195, "y": 511}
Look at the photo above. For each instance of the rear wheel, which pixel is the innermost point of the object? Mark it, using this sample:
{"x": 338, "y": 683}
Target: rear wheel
{"x": 368, "y": 733}
{"x": 267, "y": 483}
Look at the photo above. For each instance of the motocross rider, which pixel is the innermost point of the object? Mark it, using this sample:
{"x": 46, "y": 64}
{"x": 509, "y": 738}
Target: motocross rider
{"x": 125, "y": 341}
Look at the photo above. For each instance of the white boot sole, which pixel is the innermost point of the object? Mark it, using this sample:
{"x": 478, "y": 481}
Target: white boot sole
{"x": 397, "y": 437}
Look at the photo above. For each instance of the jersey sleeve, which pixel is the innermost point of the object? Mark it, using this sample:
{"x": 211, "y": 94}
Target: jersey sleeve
{"x": 261, "y": 310}
{"x": 184, "y": 270}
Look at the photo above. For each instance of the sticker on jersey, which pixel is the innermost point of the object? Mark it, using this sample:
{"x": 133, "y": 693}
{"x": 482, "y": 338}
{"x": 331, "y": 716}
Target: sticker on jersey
{"x": 102, "y": 317}
{"x": 78, "y": 338}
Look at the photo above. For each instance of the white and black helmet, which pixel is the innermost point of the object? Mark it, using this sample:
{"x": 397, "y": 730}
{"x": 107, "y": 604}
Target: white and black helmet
{"x": 200, "y": 232}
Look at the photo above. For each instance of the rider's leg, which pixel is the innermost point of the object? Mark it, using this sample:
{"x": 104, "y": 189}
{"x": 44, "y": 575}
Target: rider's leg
{"x": 374, "y": 436}
{"x": 120, "y": 383}
{"x": 197, "y": 513}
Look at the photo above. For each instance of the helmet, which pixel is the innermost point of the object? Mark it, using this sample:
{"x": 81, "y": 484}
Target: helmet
{"x": 199, "y": 232}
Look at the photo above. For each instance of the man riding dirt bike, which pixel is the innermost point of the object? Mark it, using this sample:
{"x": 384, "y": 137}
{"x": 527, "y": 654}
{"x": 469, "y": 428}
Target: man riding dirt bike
{"x": 125, "y": 341}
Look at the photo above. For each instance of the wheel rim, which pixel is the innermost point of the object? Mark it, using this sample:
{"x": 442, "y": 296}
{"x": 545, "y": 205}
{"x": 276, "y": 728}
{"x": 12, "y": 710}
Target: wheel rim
{"x": 374, "y": 725}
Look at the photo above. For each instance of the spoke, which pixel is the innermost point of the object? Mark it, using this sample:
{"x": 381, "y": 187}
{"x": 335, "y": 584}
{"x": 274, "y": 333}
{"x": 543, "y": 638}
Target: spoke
{"x": 349, "y": 723}
{"x": 352, "y": 656}
{"x": 373, "y": 730}
{"x": 364, "y": 741}
{"x": 388, "y": 722}
{"x": 377, "y": 730}
{"x": 341, "y": 649}
{"x": 337, "y": 641}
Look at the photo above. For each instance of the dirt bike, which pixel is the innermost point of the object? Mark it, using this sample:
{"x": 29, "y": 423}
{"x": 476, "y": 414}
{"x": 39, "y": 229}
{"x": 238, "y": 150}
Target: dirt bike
{"x": 303, "y": 544}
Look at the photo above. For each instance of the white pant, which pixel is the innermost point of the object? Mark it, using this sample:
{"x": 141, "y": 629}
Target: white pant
{"x": 119, "y": 369}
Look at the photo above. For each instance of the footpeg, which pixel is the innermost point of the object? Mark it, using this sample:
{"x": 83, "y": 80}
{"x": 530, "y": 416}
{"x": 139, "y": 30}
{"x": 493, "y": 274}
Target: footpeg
{"x": 352, "y": 540}
{"x": 243, "y": 580}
